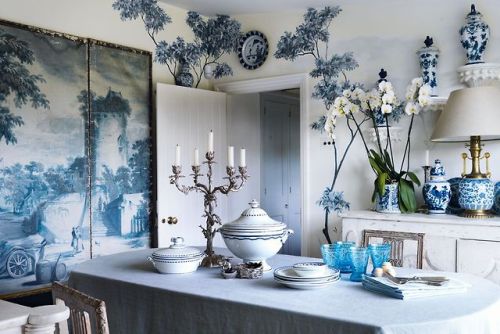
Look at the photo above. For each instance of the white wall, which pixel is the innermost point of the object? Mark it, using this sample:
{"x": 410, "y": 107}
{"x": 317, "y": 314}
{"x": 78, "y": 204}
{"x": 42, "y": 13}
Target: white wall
{"x": 381, "y": 34}
{"x": 243, "y": 126}
{"x": 96, "y": 19}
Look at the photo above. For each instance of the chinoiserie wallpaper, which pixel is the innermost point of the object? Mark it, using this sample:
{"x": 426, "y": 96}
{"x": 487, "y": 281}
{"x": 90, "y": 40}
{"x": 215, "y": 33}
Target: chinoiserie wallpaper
{"x": 75, "y": 154}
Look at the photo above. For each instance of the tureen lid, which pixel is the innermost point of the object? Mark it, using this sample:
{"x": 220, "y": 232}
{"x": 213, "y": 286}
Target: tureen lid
{"x": 177, "y": 250}
{"x": 253, "y": 218}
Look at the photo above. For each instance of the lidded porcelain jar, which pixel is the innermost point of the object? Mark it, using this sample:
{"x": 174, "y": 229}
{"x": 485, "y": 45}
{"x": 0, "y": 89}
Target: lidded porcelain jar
{"x": 437, "y": 191}
{"x": 255, "y": 236}
{"x": 177, "y": 259}
{"x": 428, "y": 57}
{"x": 474, "y": 36}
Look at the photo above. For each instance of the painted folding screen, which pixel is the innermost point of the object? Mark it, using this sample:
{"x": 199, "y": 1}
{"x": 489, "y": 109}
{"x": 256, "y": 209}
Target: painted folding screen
{"x": 75, "y": 154}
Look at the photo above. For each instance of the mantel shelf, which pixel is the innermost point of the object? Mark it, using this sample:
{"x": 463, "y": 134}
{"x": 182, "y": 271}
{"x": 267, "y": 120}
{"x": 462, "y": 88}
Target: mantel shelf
{"x": 421, "y": 217}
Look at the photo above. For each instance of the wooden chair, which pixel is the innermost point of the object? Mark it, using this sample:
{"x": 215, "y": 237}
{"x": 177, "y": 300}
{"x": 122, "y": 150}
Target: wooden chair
{"x": 87, "y": 314}
{"x": 397, "y": 239}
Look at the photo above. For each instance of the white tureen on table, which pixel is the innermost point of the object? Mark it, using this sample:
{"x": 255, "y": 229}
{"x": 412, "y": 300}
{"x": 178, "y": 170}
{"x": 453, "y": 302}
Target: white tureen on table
{"x": 177, "y": 259}
{"x": 254, "y": 236}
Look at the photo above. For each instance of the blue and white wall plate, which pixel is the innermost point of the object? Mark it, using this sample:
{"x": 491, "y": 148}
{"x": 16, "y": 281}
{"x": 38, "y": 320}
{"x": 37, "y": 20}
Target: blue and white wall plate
{"x": 253, "y": 49}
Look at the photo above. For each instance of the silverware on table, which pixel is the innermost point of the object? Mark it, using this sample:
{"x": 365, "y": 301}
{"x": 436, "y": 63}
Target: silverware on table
{"x": 429, "y": 280}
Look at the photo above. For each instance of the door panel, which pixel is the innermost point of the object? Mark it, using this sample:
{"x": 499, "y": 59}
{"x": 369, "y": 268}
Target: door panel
{"x": 280, "y": 166}
{"x": 184, "y": 117}
{"x": 274, "y": 171}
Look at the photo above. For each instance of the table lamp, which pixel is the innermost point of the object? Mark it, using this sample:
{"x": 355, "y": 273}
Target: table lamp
{"x": 472, "y": 115}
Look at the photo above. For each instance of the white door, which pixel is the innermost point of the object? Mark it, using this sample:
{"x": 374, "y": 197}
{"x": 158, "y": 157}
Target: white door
{"x": 184, "y": 117}
{"x": 280, "y": 165}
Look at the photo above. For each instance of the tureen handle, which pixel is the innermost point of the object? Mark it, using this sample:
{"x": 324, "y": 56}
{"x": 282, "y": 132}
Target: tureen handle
{"x": 150, "y": 259}
{"x": 177, "y": 241}
{"x": 285, "y": 235}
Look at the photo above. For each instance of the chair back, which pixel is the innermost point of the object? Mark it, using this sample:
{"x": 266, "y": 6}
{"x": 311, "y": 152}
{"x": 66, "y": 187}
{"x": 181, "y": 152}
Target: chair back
{"x": 397, "y": 241}
{"x": 87, "y": 314}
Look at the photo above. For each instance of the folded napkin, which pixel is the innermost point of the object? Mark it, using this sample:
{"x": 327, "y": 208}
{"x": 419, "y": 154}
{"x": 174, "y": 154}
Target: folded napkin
{"x": 412, "y": 290}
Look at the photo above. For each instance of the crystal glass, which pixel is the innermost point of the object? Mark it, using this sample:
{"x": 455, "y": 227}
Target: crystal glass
{"x": 328, "y": 254}
{"x": 359, "y": 261}
{"x": 342, "y": 258}
{"x": 379, "y": 254}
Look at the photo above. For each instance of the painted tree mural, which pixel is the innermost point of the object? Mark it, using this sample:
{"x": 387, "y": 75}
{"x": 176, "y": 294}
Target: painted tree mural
{"x": 18, "y": 83}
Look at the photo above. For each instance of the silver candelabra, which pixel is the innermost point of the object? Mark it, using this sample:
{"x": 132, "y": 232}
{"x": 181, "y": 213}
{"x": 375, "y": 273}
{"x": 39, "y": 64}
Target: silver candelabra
{"x": 235, "y": 183}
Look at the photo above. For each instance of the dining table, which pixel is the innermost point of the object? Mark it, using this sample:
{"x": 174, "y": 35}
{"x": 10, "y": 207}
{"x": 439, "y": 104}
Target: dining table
{"x": 140, "y": 300}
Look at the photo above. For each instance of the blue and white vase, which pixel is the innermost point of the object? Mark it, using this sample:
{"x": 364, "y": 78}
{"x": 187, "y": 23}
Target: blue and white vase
{"x": 389, "y": 202}
{"x": 184, "y": 77}
{"x": 474, "y": 36}
{"x": 476, "y": 194}
{"x": 454, "y": 207}
{"x": 437, "y": 191}
{"x": 496, "y": 204}
{"x": 428, "y": 57}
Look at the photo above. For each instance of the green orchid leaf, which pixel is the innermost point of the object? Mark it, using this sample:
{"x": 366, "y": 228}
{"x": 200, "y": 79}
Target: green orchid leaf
{"x": 381, "y": 179}
{"x": 375, "y": 166}
{"x": 407, "y": 195}
{"x": 414, "y": 178}
{"x": 388, "y": 160}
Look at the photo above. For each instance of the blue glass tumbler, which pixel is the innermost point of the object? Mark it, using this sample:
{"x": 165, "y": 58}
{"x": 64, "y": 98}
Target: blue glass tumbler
{"x": 328, "y": 254}
{"x": 379, "y": 254}
{"x": 342, "y": 259}
{"x": 359, "y": 261}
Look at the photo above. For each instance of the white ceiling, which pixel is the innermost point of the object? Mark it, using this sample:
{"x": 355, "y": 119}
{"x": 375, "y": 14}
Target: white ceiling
{"x": 236, "y": 7}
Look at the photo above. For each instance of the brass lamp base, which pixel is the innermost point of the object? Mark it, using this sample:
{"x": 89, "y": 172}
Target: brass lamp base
{"x": 477, "y": 214}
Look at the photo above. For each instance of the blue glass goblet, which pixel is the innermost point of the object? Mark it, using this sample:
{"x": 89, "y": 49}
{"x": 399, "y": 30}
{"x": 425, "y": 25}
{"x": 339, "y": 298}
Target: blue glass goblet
{"x": 342, "y": 259}
{"x": 359, "y": 261}
{"x": 328, "y": 254}
{"x": 379, "y": 254}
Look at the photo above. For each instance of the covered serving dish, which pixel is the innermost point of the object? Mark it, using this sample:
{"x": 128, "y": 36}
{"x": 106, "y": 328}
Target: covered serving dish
{"x": 254, "y": 236}
{"x": 177, "y": 259}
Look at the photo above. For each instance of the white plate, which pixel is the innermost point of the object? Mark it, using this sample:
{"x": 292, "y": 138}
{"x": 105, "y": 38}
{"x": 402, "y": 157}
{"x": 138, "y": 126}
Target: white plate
{"x": 307, "y": 286}
{"x": 288, "y": 274}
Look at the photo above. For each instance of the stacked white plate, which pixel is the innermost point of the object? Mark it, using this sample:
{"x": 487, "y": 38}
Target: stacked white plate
{"x": 289, "y": 278}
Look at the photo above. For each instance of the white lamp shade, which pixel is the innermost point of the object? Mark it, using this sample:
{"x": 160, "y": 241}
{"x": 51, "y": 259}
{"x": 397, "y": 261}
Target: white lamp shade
{"x": 470, "y": 112}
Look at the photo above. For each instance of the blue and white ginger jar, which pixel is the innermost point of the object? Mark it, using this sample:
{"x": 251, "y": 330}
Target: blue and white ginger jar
{"x": 474, "y": 36}
{"x": 389, "y": 202}
{"x": 437, "y": 191}
{"x": 476, "y": 194}
{"x": 428, "y": 57}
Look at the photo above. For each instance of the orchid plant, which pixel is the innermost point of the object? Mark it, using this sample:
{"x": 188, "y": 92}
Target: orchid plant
{"x": 381, "y": 102}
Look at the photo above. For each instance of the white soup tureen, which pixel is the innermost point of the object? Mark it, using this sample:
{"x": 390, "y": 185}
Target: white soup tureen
{"x": 177, "y": 259}
{"x": 254, "y": 236}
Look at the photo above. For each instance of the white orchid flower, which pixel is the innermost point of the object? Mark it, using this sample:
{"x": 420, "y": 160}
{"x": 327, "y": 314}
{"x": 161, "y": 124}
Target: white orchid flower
{"x": 386, "y": 109}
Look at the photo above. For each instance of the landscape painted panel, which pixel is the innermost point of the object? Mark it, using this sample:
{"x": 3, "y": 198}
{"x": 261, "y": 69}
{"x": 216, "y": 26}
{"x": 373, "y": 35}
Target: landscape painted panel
{"x": 75, "y": 168}
{"x": 44, "y": 221}
{"x": 120, "y": 148}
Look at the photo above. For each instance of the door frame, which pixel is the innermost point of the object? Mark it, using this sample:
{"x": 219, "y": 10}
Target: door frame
{"x": 263, "y": 85}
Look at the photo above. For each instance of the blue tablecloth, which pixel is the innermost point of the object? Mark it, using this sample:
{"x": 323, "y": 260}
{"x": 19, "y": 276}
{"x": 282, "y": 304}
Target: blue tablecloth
{"x": 139, "y": 300}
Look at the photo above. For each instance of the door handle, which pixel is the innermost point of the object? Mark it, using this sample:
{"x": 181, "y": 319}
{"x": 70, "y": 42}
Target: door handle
{"x": 170, "y": 220}
{"x": 286, "y": 206}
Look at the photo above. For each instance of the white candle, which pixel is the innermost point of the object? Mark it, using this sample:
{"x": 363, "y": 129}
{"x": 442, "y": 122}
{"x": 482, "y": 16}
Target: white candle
{"x": 211, "y": 141}
{"x": 177, "y": 155}
{"x": 230, "y": 156}
{"x": 427, "y": 159}
{"x": 196, "y": 158}
{"x": 243, "y": 159}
